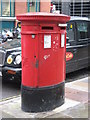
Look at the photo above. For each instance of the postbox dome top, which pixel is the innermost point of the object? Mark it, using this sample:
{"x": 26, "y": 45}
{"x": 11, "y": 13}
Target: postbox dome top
{"x": 43, "y": 17}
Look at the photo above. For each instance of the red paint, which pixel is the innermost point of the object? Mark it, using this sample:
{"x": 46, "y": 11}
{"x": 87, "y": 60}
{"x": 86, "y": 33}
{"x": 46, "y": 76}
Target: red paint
{"x": 69, "y": 56}
{"x": 42, "y": 66}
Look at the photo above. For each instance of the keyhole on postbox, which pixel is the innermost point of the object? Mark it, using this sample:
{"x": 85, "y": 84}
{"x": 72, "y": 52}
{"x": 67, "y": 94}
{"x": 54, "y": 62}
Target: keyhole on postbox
{"x": 34, "y": 56}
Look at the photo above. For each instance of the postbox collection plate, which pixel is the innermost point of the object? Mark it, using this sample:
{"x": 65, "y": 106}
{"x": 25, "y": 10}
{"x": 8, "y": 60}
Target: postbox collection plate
{"x": 47, "y": 41}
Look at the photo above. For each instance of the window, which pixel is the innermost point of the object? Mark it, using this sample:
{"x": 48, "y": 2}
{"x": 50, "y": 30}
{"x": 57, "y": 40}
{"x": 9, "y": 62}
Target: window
{"x": 0, "y": 25}
{"x": 33, "y": 5}
{"x": 58, "y": 5}
{"x": 12, "y": 8}
{"x": 89, "y": 29}
{"x": 80, "y": 8}
{"x": 7, "y": 8}
{"x": 82, "y": 28}
{"x": 0, "y": 7}
{"x": 70, "y": 32}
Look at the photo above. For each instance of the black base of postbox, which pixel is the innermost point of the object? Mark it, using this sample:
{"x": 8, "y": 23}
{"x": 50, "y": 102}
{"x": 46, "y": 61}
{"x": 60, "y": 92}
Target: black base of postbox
{"x": 42, "y": 99}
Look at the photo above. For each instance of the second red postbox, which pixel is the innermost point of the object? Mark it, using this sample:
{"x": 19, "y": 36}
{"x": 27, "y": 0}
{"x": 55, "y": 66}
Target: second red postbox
{"x": 43, "y": 40}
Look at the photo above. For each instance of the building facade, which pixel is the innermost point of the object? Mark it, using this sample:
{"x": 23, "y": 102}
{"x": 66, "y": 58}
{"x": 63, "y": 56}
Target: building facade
{"x": 9, "y": 9}
{"x": 79, "y": 8}
{"x": 7, "y": 14}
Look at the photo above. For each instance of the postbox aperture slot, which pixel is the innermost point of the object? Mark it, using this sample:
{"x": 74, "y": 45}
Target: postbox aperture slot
{"x": 62, "y": 28}
{"x": 47, "y": 28}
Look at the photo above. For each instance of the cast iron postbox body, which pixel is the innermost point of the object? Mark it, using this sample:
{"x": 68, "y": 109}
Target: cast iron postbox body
{"x": 43, "y": 60}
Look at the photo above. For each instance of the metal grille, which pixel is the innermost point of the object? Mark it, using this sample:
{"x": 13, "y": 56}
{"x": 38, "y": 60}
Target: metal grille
{"x": 80, "y": 9}
{"x": 2, "y": 57}
{"x": 58, "y": 6}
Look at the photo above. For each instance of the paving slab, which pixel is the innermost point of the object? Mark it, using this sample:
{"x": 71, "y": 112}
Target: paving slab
{"x": 79, "y": 111}
{"x": 75, "y": 106}
{"x": 13, "y": 108}
{"x": 6, "y": 115}
{"x": 76, "y": 95}
{"x": 78, "y": 84}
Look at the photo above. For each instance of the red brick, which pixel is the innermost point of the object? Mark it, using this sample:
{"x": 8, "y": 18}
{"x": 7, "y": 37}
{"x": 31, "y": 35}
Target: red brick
{"x": 45, "y": 5}
{"x": 20, "y": 7}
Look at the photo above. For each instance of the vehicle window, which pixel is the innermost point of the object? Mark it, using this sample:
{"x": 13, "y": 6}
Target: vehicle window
{"x": 70, "y": 32}
{"x": 89, "y": 29}
{"x": 82, "y": 28}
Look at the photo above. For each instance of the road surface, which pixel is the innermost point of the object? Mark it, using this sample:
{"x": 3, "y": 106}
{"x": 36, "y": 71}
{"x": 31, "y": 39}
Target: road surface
{"x": 10, "y": 89}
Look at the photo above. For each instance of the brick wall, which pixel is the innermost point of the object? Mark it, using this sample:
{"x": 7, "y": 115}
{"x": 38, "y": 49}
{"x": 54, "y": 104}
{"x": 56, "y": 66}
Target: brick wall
{"x": 45, "y": 5}
{"x": 20, "y": 7}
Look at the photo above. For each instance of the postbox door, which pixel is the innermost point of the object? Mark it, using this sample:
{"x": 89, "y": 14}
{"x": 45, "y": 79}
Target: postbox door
{"x": 51, "y": 60}
{"x": 30, "y": 60}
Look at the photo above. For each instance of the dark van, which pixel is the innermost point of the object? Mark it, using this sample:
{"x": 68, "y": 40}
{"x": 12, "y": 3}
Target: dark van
{"x": 78, "y": 44}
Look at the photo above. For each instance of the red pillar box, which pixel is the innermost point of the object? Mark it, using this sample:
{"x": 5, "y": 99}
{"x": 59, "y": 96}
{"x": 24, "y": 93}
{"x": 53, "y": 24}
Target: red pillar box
{"x": 43, "y": 60}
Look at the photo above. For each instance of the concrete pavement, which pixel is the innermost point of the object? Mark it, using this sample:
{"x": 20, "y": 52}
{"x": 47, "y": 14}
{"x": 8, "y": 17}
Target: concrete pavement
{"x": 76, "y": 104}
